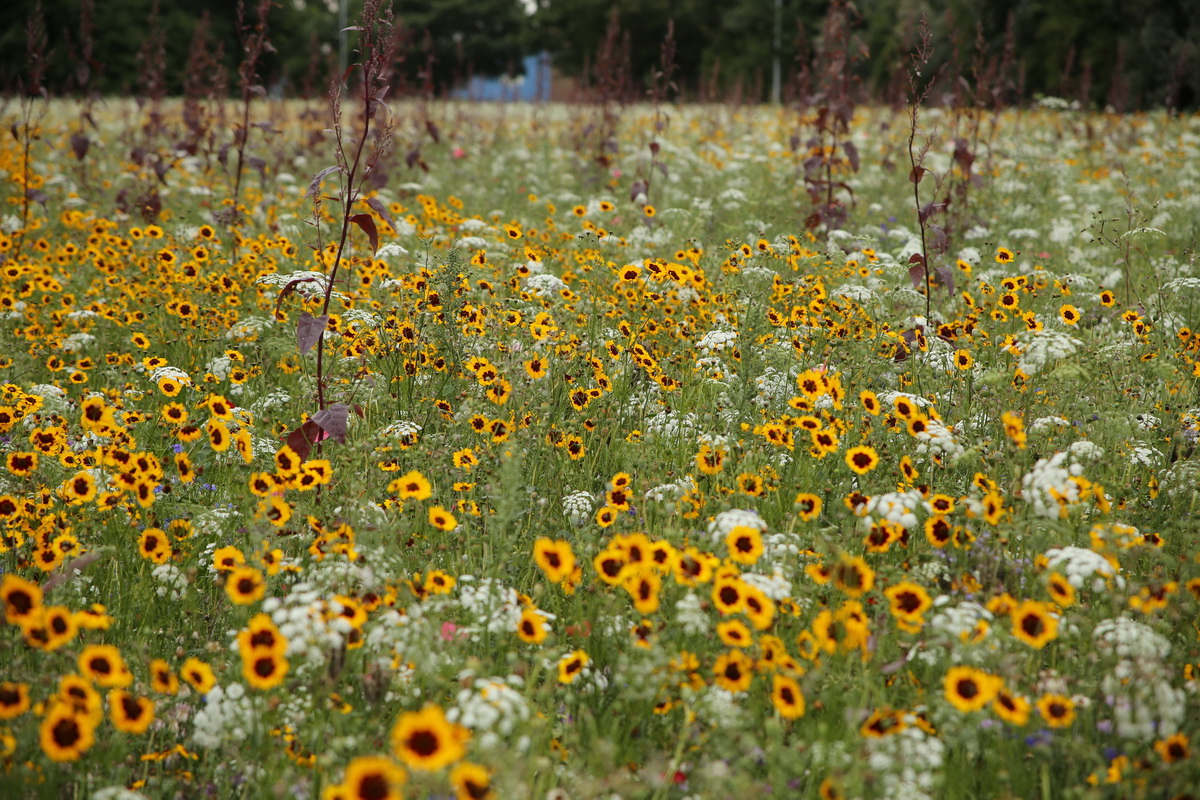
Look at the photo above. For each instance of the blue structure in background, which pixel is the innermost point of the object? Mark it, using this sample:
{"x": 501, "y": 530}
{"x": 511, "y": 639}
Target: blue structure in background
{"x": 532, "y": 87}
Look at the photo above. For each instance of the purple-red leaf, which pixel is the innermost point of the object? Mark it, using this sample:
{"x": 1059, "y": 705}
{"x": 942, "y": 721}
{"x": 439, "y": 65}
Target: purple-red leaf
{"x": 916, "y": 274}
{"x": 303, "y": 438}
{"x": 79, "y": 145}
{"x": 291, "y": 287}
{"x": 309, "y": 330}
{"x": 928, "y": 210}
{"x": 947, "y": 277}
{"x": 852, "y": 154}
{"x": 382, "y": 210}
{"x": 367, "y": 223}
{"x": 314, "y": 186}
{"x": 333, "y": 421}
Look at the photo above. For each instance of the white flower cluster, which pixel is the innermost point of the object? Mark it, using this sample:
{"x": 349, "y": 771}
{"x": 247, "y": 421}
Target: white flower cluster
{"x": 172, "y": 582}
{"x": 759, "y": 272}
{"x": 76, "y": 342}
{"x": 219, "y": 367}
{"x": 937, "y": 439}
{"x": 959, "y": 620}
{"x": 1128, "y": 638}
{"x": 669, "y": 424}
{"x": 1048, "y": 487}
{"x": 774, "y": 387}
{"x": 1141, "y": 454}
{"x": 364, "y": 319}
{"x": 589, "y": 679}
{"x": 1079, "y": 565}
{"x": 301, "y": 618}
{"x": 395, "y": 635}
{"x": 544, "y": 285}
{"x": 491, "y": 706}
{"x": 577, "y": 506}
{"x": 1046, "y": 423}
{"x": 495, "y": 606}
{"x": 1085, "y": 449}
{"x": 909, "y": 763}
{"x": 214, "y": 522}
{"x": 726, "y": 521}
{"x": 399, "y": 429}
{"x": 1138, "y": 688}
{"x": 670, "y": 492}
{"x": 720, "y": 708}
{"x": 1181, "y": 479}
{"x": 391, "y": 250}
{"x": 774, "y": 586}
{"x": 716, "y": 341}
{"x": 270, "y": 401}
{"x": 1145, "y": 422}
{"x": 690, "y": 616}
{"x": 248, "y": 329}
{"x": 117, "y": 793}
{"x": 1039, "y": 348}
{"x": 859, "y": 294}
{"x": 713, "y": 367}
{"x": 897, "y": 508}
{"x": 888, "y": 399}
{"x": 1145, "y": 705}
{"x": 227, "y": 716}
{"x": 167, "y": 371}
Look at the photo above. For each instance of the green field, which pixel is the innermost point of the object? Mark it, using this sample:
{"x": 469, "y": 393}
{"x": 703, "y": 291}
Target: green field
{"x": 594, "y": 463}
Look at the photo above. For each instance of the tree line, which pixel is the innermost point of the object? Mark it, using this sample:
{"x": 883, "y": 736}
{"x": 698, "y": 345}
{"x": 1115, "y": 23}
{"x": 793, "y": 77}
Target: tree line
{"x": 1123, "y": 54}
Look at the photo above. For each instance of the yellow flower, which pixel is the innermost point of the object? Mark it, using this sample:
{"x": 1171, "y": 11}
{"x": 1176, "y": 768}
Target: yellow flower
{"x": 442, "y": 519}
{"x": 1058, "y": 710}
{"x": 245, "y": 585}
{"x": 426, "y": 740}
{"x": 1033, "y": 625}
{"x": 745, "y": 544}
{"x": 862, "y": 459}
{"x": 129, "y": 713}
{"x": 554, "y": 558}
{"x": 373, "y": 777}
{"x": 65, "y": 734}
{"x": 571, "y": 666}
{"x": 787, "y": 697}
{"x": 969, "y": 689}
{"x": 413, "y": 486}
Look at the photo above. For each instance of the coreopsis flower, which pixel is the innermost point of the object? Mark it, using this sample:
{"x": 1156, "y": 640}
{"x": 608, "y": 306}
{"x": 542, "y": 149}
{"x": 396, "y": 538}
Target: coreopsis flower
{"x": 969, "y": 689}
{"x": 1057, "y": 710}
{"x": 571, "y": 665}
{"x": 734, "y": 671}
{"x": 862, "y": 459}
{"x": 129, "y": 713}
{"x": 373, "y": 778}
{"x": 472, "y": 782}
{"x": 1033, "y": 624}
{"x": 65, "y": 734}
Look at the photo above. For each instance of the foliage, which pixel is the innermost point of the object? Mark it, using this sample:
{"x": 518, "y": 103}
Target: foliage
{"x": 1080, "y": 51}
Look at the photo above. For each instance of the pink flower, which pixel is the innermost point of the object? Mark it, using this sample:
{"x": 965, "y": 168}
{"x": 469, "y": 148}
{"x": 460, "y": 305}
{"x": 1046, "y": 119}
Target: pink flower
{"x": 616, "y": 173}
{"x": 458, "y": 152}
{"x": 450, "y": 632}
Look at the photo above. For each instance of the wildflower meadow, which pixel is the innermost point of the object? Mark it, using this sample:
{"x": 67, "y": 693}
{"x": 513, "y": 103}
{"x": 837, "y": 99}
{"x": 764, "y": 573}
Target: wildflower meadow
{"x": 426, "y": 448}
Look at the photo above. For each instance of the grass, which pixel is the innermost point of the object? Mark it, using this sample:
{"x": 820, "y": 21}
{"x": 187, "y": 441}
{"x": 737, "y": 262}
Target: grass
{"x": 647, "y": 494}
